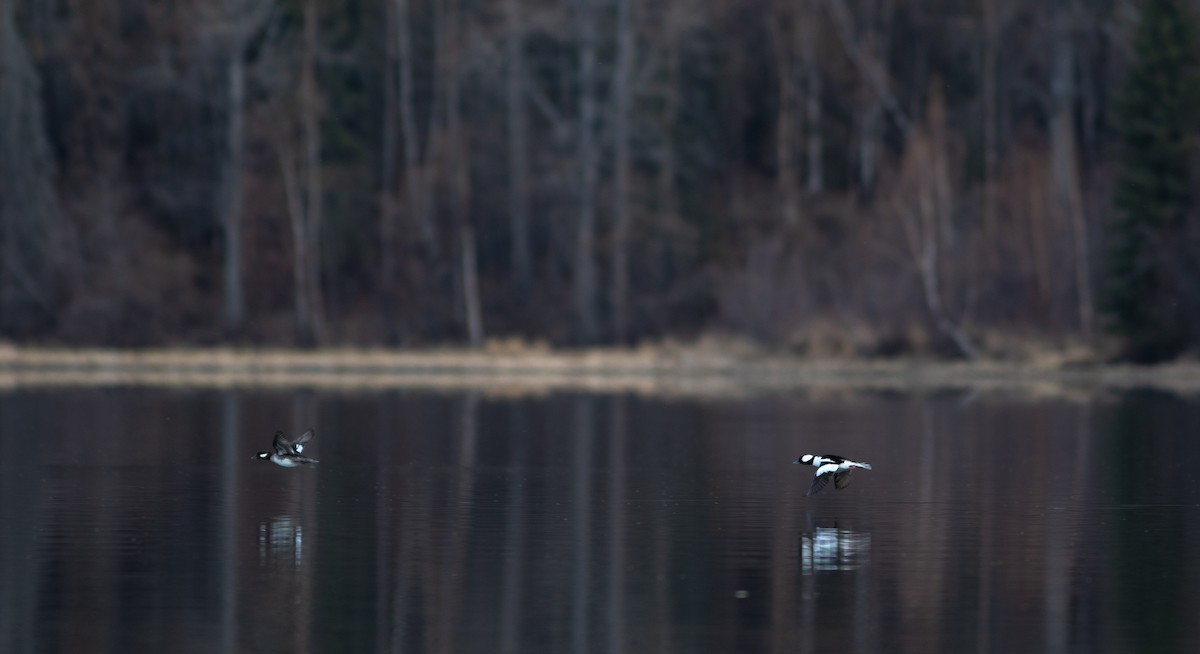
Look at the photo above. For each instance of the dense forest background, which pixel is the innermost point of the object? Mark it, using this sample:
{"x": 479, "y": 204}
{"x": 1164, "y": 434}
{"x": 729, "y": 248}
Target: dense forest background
{"x": 849, "y": 176}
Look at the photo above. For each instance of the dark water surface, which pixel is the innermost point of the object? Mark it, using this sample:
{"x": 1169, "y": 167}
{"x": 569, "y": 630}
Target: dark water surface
{"x": 136, "y": 521}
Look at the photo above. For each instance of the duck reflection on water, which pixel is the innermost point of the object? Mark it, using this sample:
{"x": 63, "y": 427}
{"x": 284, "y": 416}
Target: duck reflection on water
{"x": 831, "y": 548}
{"x": 281, "y": 539}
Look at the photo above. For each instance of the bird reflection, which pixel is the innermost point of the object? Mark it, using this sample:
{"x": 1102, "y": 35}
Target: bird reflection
{"x": 832, "y": 548}
{"x": 280, "y": 539}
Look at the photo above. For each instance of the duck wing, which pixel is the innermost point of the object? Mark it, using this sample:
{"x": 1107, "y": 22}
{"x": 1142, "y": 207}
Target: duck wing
{"x": 298, "y": 444}
{"x": 281, "y": 444}
{"x": 819, "y": 482}
{"x": 841, "y": 480}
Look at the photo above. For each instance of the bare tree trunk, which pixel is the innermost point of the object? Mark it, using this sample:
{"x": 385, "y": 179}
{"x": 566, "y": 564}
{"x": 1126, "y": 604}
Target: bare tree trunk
{"x": 28, "y": 207}
{"x": 459, "y": 161}
{"x": 668, "y": 200}
{"x": 231, "y": 25}
{"x": 868, "y": 61}
{"x": 473, "y": 307}
{"x": 231, "y": 192}
{"x": 990, "y": 142}
{"x": 300, "y": 254}
{"x": 783, "y": 36}
{"x": 414, "y": 190}
{"x": 387, "y": 167}
{"x": 878, "y": 99}
{"x": 672, "y": 21}
{"x": 941, "y": 229}
{"x": 1065, "y": 165}
{"x": 815, "y": 175}
{"x": 311, "y": 326}
{"x": 521, "y": 254}
{"x": 584, "y": 278}
{"x": 622, "y": 99}
{"x": 813, "y": 140}
{"x": 440, "y": 148}
{"x": 870, "y": 116}
{"x": 924, "y": 210}
{"x": 869, "y": 134}
{"x": 943, "y": 190}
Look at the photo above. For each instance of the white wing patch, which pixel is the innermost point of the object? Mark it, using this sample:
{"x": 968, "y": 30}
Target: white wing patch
{"x": 827, "y": 468}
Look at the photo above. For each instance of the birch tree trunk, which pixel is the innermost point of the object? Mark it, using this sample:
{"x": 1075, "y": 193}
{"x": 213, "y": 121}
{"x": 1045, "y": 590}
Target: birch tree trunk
{"x": 813, "y": 142}
{"x": 783, "y": 36}
{"x": 622, "y": 98}
{"x": 868, "y": 59}
{"x": 870, "y": 126}
{"x": 1065, "y": 166}
{"x": 233, "y": 301}
{"x": 866, "y": 53}
{"x": 870, "y": 129}
{"x": 387, "y": 164}
{"x": 229, "y": 26}
{"x": 584, "y": 277}
{"x": 990, "y": 142}
{"x": 310, "y": 323}
{"x": 473, "y": 307}
{"x": 924, "y": 204}
{"x": 520, "y": 254}
{"x": 459, "y": 174}
{"x": 297, "y": 220}
{"x": 668, "y": 199}
{"x": 414, "y": 188}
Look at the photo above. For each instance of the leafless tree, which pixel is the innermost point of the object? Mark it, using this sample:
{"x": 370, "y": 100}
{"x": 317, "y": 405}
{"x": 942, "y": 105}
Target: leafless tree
{"x": 387, "y": 158}
{"x": 923, "y": 203}
{"x": 782, "y": 22}
{"x": 520, "y": 253}
{"x": 229, "y": 26}
{"x": 989, "y": 42}
{"x": 668, "y": 199}
{"x": 415, "y": 188}
{"x": 28, "y": 207}
{"x": 622, "y": 90}
{"x": 584, "y": 264}
{"x": 300, "y": 168}
{"x": 809, "y": 30}
{"x": 457, "y": 166}
{"x": 865, "y": 48}
{"x": 868, "y": 60}
{"x": 1064, "y": 157}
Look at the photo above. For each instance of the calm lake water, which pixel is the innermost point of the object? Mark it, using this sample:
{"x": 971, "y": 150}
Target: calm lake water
{"x": 135, "y": 521}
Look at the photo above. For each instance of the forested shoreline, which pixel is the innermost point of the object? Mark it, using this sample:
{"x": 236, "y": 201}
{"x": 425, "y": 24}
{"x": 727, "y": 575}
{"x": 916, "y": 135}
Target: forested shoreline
{"x": 860, "y": 177}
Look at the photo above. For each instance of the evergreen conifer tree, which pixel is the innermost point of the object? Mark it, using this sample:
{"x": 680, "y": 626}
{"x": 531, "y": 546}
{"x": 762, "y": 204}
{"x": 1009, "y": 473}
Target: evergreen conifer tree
{"x": 1145, "y": 297}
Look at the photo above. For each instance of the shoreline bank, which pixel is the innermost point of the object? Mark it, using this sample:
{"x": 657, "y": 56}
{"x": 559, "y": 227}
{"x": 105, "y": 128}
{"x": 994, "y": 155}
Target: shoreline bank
{"x": 653, "y": 370}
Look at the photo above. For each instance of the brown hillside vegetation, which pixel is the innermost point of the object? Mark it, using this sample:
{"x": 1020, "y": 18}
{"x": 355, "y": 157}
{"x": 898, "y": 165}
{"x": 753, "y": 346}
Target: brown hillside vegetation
{"x": 734, "y": 368}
